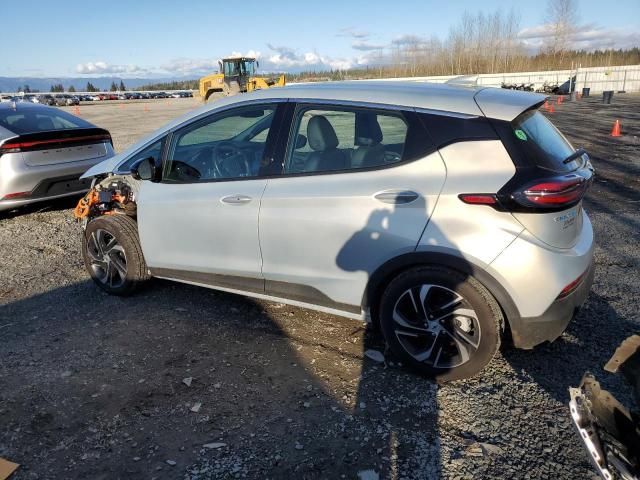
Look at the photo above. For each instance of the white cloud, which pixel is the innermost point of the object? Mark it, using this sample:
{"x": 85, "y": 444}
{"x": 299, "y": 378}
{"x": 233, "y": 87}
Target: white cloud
{"x": 365, "y": 46}
{"x": 587, "y": 37}
{"x": 353, "y": 33}
{"x": 104, "y": 68}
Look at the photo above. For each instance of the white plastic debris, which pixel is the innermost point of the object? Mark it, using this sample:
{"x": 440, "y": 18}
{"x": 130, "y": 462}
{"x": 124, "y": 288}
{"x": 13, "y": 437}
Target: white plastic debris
{"x": 374, "y": 355}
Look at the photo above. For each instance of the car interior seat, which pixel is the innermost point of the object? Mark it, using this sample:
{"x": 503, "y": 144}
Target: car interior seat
{"x": 324, "y": 142}
{"x": 369, "y": 151}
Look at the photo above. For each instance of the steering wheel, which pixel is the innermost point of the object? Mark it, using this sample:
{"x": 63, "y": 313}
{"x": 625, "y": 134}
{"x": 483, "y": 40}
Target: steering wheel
{"x": 229, "y": 161}
{"x": 391, "y": 157}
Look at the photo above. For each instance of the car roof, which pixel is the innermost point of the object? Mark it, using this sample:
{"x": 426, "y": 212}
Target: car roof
{"x": 492, "y": 102}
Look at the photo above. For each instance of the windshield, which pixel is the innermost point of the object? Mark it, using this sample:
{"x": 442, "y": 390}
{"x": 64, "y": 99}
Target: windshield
{"x": 542, "y": 142}
{"x": 239, "y": 67}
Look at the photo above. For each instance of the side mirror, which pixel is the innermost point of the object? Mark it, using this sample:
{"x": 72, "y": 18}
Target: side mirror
{"x": 301, "y": 141}
{"x": 144, "y": 169}
{"x": 257, "y": 64}
{"x": 220, "y": 66}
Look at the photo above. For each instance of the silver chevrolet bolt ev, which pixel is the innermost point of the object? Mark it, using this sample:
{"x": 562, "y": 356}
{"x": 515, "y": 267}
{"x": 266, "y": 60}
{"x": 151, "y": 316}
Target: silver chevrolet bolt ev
{"x": 447, "y": 216}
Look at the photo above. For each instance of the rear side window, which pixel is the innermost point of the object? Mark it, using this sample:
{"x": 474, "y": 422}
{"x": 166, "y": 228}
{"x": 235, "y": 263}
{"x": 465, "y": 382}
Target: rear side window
{"x": 344, "y": 138}
{"x": 35, "y": 120}
{"x": 541, "y": 141}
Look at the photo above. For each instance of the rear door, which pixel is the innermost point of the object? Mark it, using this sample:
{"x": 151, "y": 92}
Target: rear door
{"x": 357, "y": 188}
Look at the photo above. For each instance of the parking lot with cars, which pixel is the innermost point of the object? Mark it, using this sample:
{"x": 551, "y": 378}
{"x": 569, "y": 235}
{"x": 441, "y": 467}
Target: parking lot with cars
{"x": 179, "y": 381}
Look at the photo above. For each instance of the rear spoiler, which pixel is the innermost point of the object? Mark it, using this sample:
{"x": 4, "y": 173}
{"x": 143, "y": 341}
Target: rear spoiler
{"x": 55, "y": 139}
{"x": 506, "y": 105}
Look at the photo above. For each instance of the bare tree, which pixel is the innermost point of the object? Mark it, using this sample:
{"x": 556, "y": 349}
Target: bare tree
{"x": 562, "y": 18}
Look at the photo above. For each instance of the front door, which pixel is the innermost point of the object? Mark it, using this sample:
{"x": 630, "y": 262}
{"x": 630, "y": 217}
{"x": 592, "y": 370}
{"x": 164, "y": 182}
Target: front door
{"x": 200, "y": 224}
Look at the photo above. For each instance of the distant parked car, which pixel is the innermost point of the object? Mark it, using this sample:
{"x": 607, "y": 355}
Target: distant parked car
{"x": 64, "y": 100}
{"x": 44, "y": 100}
{"x": 43, "y": 152}
{"x": 6, "y": 98}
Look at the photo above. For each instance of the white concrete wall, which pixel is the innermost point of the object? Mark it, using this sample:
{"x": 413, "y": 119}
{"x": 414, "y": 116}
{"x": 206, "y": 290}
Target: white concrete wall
{"x": 597, "y": 78}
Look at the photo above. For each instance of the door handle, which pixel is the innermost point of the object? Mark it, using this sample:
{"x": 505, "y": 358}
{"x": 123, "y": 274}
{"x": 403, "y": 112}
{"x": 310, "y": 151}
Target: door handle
{"x": 396, "y": 197}
{"x": 236, "y": 199}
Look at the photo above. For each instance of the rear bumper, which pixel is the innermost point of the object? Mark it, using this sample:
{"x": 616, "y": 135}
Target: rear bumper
{"x": 527, "y": 332}
{"x": 42, "y": 182}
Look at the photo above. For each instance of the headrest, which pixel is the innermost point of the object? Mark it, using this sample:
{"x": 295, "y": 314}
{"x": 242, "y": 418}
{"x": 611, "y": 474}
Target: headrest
{"x": 320, "y": 134}
{"x": 368, "y": 131}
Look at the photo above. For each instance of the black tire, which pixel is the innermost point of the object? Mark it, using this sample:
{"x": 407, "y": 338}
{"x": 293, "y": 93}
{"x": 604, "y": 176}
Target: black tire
{"x": 472, "y": 324}
{"x": 120, "y": 246}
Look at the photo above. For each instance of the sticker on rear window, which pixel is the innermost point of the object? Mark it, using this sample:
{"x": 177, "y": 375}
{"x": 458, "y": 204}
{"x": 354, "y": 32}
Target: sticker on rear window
{"x": 520, "y": 134}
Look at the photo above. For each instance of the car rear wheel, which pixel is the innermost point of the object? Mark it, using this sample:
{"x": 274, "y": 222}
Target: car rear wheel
{"x": 440, "y": 322}
{"x": 113, "y": 256}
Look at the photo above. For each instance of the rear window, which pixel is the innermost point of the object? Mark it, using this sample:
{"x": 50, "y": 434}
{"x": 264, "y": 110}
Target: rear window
{"x": 39, "y": 120}
{"x": 541, "y": 142}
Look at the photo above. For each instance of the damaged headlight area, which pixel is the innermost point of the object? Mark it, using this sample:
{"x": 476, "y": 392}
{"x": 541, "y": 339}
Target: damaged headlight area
{"x": 609, "y": 430}
{"x": 115, "y": 195}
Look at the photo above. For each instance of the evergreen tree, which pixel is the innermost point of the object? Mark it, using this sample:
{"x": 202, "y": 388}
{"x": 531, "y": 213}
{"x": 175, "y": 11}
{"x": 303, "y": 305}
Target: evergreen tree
{"x": 114, "y": 87}
{"x": 91, "y": 87}
{"x": 71, "y": 89}
{"x": 122, "y": 87}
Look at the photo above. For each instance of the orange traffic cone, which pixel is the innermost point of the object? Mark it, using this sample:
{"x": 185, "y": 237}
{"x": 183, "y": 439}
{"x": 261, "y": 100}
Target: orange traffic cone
{"x": 558, "y": 100}
{"x": 546, "y": 105}
{"x": 76, "y": 110}
{"x": 615, "y": 131}
{"x": 551, "y": 109}
{"x": 146, "y": 109}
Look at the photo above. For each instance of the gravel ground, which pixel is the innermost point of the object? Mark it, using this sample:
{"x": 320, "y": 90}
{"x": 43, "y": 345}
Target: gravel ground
{"x": 184, "y": 382}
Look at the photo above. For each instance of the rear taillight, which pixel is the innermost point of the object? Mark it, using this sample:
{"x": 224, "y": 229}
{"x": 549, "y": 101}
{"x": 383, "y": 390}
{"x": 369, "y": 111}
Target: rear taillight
{"x": 542, "y": 195}
{"x": 553, "y": 192}
{"x": 13, "y": 196}
{"x": 20, "y": 145}
{"x": 571, "y": 287}
{"x": 478, "y": 198}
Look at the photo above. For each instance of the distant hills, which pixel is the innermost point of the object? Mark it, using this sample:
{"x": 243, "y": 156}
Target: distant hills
{"x": 15, "y": 84}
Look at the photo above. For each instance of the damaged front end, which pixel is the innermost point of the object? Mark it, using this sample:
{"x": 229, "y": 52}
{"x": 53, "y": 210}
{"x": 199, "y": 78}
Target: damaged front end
{"x": 114, "y": 195}
{"x": 609, "y": 430}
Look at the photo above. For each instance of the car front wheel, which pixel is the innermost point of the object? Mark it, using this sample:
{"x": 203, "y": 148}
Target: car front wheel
{"x": 440, "y": 322}
{"x": 113, "y": 256}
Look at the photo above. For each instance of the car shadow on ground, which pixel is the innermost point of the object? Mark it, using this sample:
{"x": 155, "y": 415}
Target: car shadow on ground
{"x": 103, "y": 393}
{"x": 45, "y": 206}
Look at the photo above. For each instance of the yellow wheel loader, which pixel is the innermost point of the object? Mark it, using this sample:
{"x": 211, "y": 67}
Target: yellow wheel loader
{"x": 237, "y": 75}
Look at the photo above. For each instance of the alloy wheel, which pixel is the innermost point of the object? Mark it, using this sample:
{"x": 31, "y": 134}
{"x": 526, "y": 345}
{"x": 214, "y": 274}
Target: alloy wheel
{"x": 436, "y": 326}
{"x": 107, "y": 257}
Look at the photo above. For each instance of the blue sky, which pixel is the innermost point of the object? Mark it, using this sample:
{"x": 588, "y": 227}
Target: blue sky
{"x": 169, "y": 38}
